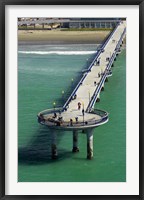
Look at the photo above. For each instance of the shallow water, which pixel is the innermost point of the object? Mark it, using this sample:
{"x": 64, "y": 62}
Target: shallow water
{"x": 43, "y": 72}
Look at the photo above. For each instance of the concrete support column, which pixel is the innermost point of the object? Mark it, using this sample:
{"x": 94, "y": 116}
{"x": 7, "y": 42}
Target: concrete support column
{"x": 75, "y": 142}
{"x": 42, "y": 26}
{"x": 102, "y": 89}
{"x": 106, "y": 79}
{"x": 89, "y": 144}
{"x": 53, "y": 145}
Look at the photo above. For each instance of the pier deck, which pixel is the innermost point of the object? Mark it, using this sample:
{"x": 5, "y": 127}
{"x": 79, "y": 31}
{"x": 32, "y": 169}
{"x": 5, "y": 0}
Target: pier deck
{"x": 90, "y": 84}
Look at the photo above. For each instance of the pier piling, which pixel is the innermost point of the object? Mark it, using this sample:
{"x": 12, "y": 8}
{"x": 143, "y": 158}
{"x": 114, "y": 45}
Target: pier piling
{"x": 89, "y": 143}
{"x": 98, "y": 98}
{"x": 75, "y": 142}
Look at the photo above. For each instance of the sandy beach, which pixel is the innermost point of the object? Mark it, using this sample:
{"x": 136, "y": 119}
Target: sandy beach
{"x": 60, "y": 37}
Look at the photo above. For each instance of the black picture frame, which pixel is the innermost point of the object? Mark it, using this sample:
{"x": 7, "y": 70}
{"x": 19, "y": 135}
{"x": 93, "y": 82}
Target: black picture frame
{"x": 3, "y": 3}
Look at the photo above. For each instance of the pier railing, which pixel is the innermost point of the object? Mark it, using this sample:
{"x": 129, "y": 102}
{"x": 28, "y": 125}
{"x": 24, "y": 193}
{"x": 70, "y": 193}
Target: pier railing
{"x": 89, "y": 68}
{"x": 102, "y": 47}
{"x": 120, "y": 41}
{"x": 110, "y": 35}
{"x": 50, "y": 111}
{"x": 98, "y": 89}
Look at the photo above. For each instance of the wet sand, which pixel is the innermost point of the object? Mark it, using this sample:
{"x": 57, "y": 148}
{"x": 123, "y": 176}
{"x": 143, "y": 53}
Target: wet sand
{"x": 61, "y": 37}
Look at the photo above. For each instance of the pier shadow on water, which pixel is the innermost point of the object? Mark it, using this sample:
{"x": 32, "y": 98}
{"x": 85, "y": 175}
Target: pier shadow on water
{"x": 38, "y": 150}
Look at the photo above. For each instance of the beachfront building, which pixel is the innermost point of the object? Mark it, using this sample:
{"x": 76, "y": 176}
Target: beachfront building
{"x": 91, "y": 23}
{"x": 50, "y": 23}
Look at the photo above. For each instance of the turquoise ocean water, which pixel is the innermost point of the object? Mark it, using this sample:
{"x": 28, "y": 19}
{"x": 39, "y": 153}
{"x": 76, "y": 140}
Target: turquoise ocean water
{"x": 44, "y": 71}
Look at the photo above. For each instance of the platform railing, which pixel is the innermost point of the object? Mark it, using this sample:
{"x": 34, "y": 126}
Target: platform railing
{"x": 50, "y": 111}
{"x": 51, "y": 121}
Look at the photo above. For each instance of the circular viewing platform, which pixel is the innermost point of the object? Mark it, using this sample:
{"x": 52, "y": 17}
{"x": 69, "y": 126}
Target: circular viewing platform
{"x": 63, "y": 120}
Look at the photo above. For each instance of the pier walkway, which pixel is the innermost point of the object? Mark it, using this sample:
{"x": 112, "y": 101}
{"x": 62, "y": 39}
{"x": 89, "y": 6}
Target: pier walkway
{"x": 87, "y": 92}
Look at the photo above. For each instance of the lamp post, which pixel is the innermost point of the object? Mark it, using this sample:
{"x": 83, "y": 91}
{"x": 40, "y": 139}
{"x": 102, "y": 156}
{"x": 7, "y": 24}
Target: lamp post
{"x": 87, "y": 61}
{"x": 89, "y": 96}
{"x": 83, "y": 112}
{"x": 72, "y": 82}
{"x": 54, "y": 104}
{"x": 62, "y": 93}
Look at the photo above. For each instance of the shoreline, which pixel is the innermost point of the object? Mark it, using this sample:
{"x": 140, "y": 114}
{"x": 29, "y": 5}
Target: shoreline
{"x": 55, "y": 37}
{"x": 57, "y": 43}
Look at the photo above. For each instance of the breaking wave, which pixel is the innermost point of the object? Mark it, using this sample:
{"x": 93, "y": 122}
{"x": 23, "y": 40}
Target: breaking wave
{"x": 58, "y": 52}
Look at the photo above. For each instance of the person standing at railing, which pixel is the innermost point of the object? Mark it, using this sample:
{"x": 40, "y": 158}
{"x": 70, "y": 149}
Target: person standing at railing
{"x": 76, "y": 118}
{"x": 41, "y": 118}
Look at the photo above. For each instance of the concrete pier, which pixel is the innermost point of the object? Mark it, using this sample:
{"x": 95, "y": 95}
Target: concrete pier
{"x": 74, "y": 118}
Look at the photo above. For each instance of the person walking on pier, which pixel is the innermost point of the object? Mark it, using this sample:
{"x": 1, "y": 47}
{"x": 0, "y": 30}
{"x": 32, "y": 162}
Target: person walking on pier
{"x": 79, "y": 105}
{"x": 55, "y": 115}
{"x": 71, "y": 122}
{"x": 98, "y": 62}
